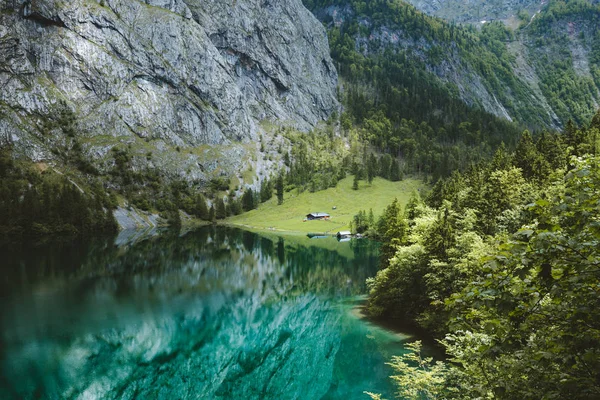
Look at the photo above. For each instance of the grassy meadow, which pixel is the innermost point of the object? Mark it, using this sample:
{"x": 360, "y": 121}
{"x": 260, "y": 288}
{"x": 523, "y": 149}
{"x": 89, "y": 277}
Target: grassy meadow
{"x": 289, "y": 216}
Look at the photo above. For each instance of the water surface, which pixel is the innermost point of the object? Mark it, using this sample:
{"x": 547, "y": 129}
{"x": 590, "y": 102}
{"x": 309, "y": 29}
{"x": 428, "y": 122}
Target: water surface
{"x": 216, "y": 313}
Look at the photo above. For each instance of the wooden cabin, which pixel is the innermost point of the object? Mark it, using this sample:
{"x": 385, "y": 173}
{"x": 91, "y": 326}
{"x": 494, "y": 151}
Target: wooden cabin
{"x": 317, "y": 215}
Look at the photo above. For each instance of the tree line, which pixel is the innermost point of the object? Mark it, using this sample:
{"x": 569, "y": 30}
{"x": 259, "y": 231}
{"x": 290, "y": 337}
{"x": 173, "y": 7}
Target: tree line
{"x": 501, "y": 263}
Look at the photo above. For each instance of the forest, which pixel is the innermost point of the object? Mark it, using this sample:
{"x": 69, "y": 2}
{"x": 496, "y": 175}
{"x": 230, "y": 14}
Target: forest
{"x": 405, "y": 110}
{"x": 501, "y": 264}
{"x": 35, "y": 200}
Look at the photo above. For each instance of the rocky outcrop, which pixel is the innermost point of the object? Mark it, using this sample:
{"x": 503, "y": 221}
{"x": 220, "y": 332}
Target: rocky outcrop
{"x": 475, "y": 10}
{"x": 161, "y": 74}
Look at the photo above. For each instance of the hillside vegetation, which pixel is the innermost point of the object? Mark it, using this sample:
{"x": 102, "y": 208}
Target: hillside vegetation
{"x": 502, "y": 263}
{"x": 442, "y": 96}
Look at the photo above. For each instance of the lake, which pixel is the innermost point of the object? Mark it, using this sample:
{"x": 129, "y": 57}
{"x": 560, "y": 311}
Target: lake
{"x": 216, "y": 313}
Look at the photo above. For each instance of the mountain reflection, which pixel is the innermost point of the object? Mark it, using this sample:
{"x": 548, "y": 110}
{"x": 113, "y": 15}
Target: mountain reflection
{"x": 214, "y": 313}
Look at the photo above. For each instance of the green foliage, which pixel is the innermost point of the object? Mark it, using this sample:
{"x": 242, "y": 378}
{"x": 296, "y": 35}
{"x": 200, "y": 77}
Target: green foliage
{"x": 571, "y": 93}
{"x": 35, "y": 203}
{"x": 220, "y": 212}
{"x": 506, "y": 268}
{"x": 266, "y": 191}
{"x": 279, "y": 188}
{"x": 363, "y": 222}
{"x": 200, "y": 208}
{"x": 405, "y": 110}
{"x": 219, "y": 184}
{"x": 391, "y": 230}
{"x": 248, "y": 201}
{"x": 355, "y": 182}
{"x": 316, "y": 161}
{"x": 534, "y": 307}
{"x": 417, "y": 377}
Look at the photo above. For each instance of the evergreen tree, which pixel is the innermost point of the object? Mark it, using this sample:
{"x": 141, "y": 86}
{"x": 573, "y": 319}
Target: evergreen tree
{"x": 220, "y": 212}
{"x": 266, "y": 191}
{"x": 391, "y": 230}
{"x": 385, "y": 166}
{"x": 371, "y": 219}
{"x": 279, "y": 189}
{"x": 501, "y": 159}
{"x": 441, "y": 237}
{"x": 595, "y": 120}
{"x": 411, "y": 211}
{"x": 526, "y": 154}
{"x": 200, "y": 207}
{"x": 371, "y": 168}
{"x": 395, "y": 172}
{"x": 248, "y": 200}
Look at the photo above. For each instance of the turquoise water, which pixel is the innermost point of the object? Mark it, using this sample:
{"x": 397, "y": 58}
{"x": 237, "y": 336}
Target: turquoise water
{"x": 216, "y": 313}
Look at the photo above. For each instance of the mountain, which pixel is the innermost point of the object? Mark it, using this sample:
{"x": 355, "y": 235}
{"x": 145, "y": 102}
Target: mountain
{"x": 158, "y": 77}
{"x": 540, "y": 74}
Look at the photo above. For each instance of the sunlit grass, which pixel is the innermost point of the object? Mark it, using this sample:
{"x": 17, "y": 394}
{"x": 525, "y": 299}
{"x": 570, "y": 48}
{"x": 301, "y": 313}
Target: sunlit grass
{"x": 289, "y": 216}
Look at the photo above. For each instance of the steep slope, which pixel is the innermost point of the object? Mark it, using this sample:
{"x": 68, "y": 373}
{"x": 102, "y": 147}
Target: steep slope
{"x": 562, "y": 46}
{"x": 540, "y": 75}
{"x": 159, "y": 75}
{"x": 477, "y": 10}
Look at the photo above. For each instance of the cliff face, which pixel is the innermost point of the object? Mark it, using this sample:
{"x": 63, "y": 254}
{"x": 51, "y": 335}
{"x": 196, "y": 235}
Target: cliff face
{"x": 173, "y": 73}
{"x": 476, "y": 10}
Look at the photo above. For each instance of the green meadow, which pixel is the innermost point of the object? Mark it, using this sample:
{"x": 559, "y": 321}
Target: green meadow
{"x": 289, "y": 217}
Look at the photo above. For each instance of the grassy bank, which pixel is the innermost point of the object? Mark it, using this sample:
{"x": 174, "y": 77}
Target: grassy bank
{"x": 289, "y": 216}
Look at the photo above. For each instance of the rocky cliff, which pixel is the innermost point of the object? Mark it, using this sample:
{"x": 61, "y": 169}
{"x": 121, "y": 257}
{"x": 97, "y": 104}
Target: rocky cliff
{"x": 160, "y": 75}
{"x": 476, "y": 10}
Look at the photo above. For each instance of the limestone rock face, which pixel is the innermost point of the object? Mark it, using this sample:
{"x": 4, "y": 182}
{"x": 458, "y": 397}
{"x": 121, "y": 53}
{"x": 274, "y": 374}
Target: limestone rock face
{"x": 169, "y": 72}
{"x": 476, "y": 10}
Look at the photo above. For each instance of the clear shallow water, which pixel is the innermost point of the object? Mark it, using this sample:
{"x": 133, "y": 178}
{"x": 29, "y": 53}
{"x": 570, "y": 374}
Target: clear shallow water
{"x": 217, "y": 313}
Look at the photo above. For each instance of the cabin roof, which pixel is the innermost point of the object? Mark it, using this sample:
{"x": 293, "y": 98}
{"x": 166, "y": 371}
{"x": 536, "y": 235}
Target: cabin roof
{"x": 319, "y": 214}
{"x": 344, "y": 233}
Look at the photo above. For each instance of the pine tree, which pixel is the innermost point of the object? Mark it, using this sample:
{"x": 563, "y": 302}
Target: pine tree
{"x": 220, "y": 212}
{"x": 526, "y": 155}
{"x": 391, "y": 230}
{"x": 441, "y": 236}
{"x": 355, "y": 182}
{"x": 385, "y": 163}
{"x": 279, "y": 189}
{"x": 371, "y": 168}
{"x": 411, "y": 211}
{"x": 552, "y": 149}
{"x": 395, "y": 172}
{"x": 248, "y": 200}
{"x": 501, "y": 159}
{"x": 596, "y": 120}
{"x": 266, "y": 191}
{"x": 200, "y": 207}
